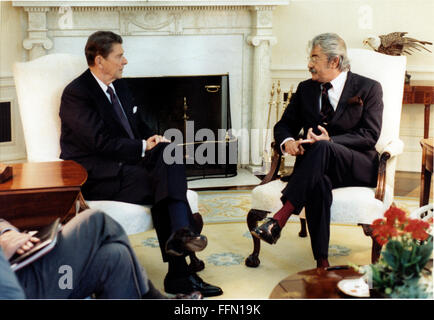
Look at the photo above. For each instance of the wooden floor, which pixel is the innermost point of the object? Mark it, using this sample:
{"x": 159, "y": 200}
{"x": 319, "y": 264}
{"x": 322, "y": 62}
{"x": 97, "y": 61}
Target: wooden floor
{"x": 407, "y": 184}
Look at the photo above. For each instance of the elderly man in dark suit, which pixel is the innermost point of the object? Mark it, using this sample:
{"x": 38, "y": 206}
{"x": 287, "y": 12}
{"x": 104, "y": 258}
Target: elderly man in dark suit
{"x": 125, "y": 160}
{"x": 332, "y": 125}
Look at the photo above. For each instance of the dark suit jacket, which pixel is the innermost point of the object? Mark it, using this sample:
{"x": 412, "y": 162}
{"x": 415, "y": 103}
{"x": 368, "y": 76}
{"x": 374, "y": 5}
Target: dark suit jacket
{"x": 91, "y": 133}
{"x": 354, "y": 125}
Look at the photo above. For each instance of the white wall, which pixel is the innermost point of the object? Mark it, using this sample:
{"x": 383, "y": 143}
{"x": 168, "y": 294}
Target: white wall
{"x": 354, "y": 20}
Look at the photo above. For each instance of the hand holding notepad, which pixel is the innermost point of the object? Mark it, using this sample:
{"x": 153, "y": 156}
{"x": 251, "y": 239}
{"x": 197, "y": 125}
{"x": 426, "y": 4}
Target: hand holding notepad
{"x": 15, "y": 242}
{"x": 35, "y": 245}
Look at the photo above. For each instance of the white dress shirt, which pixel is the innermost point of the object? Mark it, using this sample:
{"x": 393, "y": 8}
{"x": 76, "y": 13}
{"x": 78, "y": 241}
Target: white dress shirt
{"x": 104, "y": 88}
{"x": 334, "y": 94}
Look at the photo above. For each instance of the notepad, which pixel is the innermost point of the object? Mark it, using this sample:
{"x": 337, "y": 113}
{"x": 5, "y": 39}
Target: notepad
{"x": 48, "y": 238}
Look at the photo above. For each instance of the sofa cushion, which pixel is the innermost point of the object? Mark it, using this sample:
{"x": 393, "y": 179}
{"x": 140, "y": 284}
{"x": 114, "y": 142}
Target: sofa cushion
{"x": 135, "y": 218}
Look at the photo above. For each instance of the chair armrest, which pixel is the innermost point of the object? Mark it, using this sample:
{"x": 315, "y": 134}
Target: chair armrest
{"x": 275, "y": 164}
{"x": 392, "y": 149}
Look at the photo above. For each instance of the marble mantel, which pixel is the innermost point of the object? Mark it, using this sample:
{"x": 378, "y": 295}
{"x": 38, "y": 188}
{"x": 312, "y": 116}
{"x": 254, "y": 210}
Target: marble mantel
{"x": 161, "y": 38}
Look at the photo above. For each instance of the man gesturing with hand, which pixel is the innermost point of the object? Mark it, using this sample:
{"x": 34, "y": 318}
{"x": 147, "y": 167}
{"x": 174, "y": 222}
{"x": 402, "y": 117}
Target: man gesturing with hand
{"x": 332, "y": 134}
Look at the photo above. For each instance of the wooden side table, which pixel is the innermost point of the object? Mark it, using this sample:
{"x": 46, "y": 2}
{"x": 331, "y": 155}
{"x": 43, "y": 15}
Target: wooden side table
{"x": 39, "y": 192}
{"x": 314, "y": 284}
{"x": 426, "y": 171}
{"x": 420, "y": 91}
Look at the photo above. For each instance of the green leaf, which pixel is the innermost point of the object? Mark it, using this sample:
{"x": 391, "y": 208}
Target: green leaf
{"x": 391, "y": 259}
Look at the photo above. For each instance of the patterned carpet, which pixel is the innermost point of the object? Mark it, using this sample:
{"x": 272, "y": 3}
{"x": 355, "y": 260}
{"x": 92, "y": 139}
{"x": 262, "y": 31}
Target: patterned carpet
{"x": 224, "y": 214}
{"x": 224, "y": 206}
{"x": 233, "y": 205}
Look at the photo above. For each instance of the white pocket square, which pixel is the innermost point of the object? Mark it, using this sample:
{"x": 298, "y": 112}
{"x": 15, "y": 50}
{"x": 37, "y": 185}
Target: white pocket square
{"x": 134, "y": 109}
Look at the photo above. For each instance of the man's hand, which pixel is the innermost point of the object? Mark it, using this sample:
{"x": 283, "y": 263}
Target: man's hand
{"x": 13, "y": 241}
{"x": 294, "y": 147}
{"x": 154, "y": 140}
{"x": 323, "y": 136}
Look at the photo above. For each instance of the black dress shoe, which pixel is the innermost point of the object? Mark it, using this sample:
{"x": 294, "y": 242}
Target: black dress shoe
{"x": 268, "y": 231}
{"x": 184, "y": 241}
{"x": 188, "y": 284}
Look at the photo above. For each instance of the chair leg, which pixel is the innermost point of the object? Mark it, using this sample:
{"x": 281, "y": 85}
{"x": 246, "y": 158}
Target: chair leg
{"x": 303, "y": 230}
{"x": 376, "y": 250}
{"x": 196, "y": 264}
{"x": 376, "y": 247}
{"x": 252, "y": 221}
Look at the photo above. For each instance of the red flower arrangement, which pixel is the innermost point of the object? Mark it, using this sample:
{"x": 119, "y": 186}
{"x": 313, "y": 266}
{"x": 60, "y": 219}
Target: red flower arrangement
{"x": 397, "y": 224}
{"x": 408, "y": 247}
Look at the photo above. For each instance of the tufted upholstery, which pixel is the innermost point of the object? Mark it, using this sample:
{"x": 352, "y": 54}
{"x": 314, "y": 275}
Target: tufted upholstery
{"x": 39, "y": 84}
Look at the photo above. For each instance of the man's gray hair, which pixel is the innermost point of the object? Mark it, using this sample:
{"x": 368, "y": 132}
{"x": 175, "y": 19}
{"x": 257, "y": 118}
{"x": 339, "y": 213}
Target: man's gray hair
{"x": 333, "y": 46}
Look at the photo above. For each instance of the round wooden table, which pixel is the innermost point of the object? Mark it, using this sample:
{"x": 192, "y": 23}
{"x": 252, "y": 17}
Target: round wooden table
{"x": 314, "y": 284}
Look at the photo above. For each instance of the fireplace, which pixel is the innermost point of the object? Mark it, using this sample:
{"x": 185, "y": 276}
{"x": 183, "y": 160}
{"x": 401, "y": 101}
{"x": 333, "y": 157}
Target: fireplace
{"x": 195, "y": 110}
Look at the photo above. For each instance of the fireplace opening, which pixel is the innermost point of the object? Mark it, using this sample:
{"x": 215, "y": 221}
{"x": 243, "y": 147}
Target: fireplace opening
{"x": 193, "y": 105}
{"x": 5, "y": 122}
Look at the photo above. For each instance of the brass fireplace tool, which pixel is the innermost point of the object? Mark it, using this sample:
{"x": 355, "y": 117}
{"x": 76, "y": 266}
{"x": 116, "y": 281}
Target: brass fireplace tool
{"x": 279, "y": 103}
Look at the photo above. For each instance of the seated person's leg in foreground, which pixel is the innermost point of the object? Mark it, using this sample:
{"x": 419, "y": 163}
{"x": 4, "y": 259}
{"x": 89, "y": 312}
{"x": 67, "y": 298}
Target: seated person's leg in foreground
{"x": 97, "y": 253}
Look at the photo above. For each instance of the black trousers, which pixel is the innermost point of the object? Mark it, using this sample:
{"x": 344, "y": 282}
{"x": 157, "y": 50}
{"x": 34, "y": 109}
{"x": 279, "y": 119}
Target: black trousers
{"x": 152, "y": 181}
{"x": 323, "y": 167}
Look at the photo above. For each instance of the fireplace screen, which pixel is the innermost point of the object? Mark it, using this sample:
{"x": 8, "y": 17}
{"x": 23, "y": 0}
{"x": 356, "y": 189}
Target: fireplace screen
{"x": 198, "y": 107}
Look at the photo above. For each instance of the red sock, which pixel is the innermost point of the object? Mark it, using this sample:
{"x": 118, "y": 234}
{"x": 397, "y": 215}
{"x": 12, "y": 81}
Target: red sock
{"x": 322, "y": 263}
{"x": 284, "y": 213}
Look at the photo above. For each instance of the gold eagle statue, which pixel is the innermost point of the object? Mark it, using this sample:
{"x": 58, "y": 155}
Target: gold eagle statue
{"x": 395, "y": 44}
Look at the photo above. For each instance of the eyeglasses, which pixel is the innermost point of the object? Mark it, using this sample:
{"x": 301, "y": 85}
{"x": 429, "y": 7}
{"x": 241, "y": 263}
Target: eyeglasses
{"x": 314, "y": 59}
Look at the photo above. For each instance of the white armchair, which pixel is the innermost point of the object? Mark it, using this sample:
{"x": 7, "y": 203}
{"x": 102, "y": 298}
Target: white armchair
{"x": 351, "y": 205}
{"x": 39, "y": 84}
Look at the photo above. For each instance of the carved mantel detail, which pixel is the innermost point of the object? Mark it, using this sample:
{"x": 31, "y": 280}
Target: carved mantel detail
{"x": 150, "y": 21}
{"x": 37, "y": 40}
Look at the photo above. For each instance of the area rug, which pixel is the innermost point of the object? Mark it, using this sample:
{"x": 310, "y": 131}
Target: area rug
{"x": 224, "y": 206}
{"x": 230, "y": 243}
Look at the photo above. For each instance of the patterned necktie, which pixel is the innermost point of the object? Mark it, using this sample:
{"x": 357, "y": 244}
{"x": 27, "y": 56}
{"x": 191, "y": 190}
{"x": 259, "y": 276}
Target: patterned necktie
{"x": 327, "y": 110}
{"x": 120, "y": 112}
